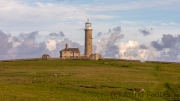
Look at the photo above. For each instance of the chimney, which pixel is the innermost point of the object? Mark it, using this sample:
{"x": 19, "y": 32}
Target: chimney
{"x": 66, "y": 46}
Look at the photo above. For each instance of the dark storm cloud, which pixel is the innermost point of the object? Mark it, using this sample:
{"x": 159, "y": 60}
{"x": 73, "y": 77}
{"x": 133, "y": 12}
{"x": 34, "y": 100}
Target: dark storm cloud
{"x": 99, "y": 35}
{"x": 29, "y": 47}
{"x": 5, "y": 43}
{"x": 112, "y": 50}
{"x": 107, "y": 45}
{"x": 143, "y": 47}
{"x": 145, "y": 31}
{"x": 117, "y": 29}
{"x": 56, "y": 35}
{"x": 169, "y": 47}
{"x": 167, "y": 41}
{"x": 25, "y": 45}
{"x": 109, "y": 32}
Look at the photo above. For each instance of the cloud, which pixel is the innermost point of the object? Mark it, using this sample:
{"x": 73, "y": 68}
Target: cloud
{"x": 51, "y": 44}
{"x": 136, "y": 51}
{"x": 167, "y": 41}
{"x": 143, "y": 47}
{"x": 99, "y": 35}
{"x": 172, "y": 23}
{"x": 164, "y": 24}
{"x": 109, "y": 32}
{"x": 129, "y": 5}
{"x": 57, "y": 35}
{"x": 29, "y": 47}
{"x": 129, "y": 22}
{"x": 5, "y": 43}
{"x": 107, "y": 46}
{"x": 54, "y": 11}
{"x": 168, "y": 47}
{"x": 81, "y": 29}
{"x": 168, "y": 24}
{"x": 39, "y": 12}
{"x": 22, "y": 46}
{"x": 61, "y": 45}
{"x": 25, "y": 45}
{"x": 44, "y": 12}
{"x": 146, "y": 31}
{"x": 66, "y": 0}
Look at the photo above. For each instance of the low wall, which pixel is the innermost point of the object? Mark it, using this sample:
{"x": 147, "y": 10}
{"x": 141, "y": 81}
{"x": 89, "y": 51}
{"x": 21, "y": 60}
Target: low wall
{"x": 121, "y": 59}
{"x": 163, "y": 62}
{"x": 34, "y": 59}
{"x": 77, "y": 58}
{"x": 26, "y": 59}
{"x": 86, "y": 58}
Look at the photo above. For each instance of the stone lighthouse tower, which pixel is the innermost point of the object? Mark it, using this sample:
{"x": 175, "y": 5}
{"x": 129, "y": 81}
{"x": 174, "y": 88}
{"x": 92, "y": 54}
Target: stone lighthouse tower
{"x": 88, "y": 39}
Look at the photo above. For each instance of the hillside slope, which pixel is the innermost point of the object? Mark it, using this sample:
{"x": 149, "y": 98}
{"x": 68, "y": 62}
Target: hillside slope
{"x": 88, "y": 80}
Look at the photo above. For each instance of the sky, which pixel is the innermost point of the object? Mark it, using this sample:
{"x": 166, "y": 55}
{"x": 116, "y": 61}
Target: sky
{"x": 126, "y": 29}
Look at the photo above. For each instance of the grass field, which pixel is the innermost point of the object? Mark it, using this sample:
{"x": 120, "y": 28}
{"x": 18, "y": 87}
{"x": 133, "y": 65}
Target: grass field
{"x": 88, "y": 80}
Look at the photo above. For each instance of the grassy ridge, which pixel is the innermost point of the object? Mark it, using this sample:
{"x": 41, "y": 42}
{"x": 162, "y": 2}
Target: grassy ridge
{"x": 87, "y": 80}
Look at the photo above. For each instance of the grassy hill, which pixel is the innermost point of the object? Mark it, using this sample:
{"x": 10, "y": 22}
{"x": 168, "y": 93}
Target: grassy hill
{"x": 88, "y": 80}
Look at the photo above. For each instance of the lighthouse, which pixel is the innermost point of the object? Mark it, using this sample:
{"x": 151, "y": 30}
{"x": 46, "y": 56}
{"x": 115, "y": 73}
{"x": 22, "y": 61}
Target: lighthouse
{"x": 88, "y": 50}
{"x": 88, "y": 39}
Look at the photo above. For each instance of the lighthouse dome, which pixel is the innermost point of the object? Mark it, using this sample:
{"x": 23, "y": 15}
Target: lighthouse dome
{"x": 88, "y": 24}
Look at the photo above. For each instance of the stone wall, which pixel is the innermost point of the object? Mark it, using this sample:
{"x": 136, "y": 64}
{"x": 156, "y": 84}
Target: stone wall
{"x": 121, "y": 59}
{"x": 70, "y": 54}
{"x": 87, "y": 58}
{"x": 95, "y": 56}
{"x": 163, "y": 62}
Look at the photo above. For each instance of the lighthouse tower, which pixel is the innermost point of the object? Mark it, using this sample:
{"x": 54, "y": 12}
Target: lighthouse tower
{"x": 88, "y": 39}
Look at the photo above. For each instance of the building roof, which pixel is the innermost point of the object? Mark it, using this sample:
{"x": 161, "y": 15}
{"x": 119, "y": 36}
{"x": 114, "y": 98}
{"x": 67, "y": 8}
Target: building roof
{"x": 71, "y": 49}
{"x": 45, "y": 55}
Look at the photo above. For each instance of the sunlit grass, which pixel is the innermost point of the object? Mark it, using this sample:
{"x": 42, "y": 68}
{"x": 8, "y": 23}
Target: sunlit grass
{"x": 84, "y": 80}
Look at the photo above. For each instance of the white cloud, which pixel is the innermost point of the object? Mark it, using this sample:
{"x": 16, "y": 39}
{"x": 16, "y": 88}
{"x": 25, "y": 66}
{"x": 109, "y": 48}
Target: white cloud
{"x": 133, "y": 50}
{"x": 131, "y": 5}
{"x": 171, "y": 23}
{"x": 39, "y": 12}
{"x": 101, "y": 16}
{"x": 17, "y": 11}
{"x": 129, "y": 22}
{"x": 164, "y": 24}
{"x": 51, "y": 44}
{"x": 14, "y": 43}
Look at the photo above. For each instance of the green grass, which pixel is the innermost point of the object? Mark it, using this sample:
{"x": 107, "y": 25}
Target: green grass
{"x": 87, "y": 80}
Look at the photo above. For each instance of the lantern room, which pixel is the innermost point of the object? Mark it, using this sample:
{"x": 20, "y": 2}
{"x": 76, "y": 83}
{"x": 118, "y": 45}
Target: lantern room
{"x": 88, "y": 25}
